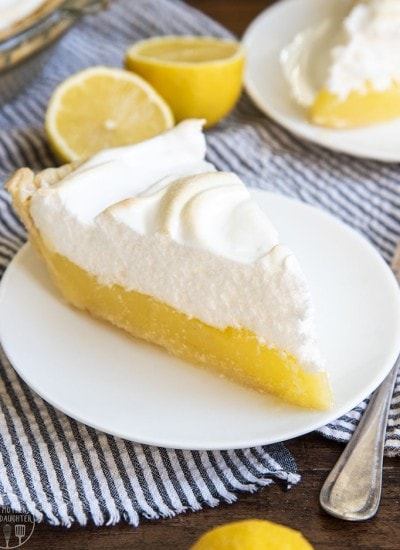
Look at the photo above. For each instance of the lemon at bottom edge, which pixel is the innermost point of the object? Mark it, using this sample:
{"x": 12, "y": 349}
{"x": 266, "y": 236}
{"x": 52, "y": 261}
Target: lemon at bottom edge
{"x": 252, "y": 534}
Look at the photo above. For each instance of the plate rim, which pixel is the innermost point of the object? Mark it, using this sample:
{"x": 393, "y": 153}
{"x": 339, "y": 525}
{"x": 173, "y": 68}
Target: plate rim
{"x": 315, "y": 421}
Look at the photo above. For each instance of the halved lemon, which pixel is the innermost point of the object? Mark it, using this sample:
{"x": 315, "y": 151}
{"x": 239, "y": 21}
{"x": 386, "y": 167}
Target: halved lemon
{"x": 103, "y": 107}
{"x": 198, "y": 76}
{"x": 252, "y": 534}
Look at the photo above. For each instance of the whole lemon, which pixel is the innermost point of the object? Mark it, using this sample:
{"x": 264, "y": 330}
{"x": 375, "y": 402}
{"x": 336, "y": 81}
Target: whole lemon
{"x": 252, "y": 534}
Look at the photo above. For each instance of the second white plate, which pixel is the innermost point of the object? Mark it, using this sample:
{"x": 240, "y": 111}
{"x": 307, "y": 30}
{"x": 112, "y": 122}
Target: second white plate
{"x": 268, "y": 34}
{"x": 104, "y": 378}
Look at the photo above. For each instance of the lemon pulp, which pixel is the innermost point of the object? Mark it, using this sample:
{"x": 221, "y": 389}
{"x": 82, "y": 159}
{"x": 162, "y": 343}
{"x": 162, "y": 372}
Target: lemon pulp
{"x": 103, "y": 107}
{"x": 188, "y": 50}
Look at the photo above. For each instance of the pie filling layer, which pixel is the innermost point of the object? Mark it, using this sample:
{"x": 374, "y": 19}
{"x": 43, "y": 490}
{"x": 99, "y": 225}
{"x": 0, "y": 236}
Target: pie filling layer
{"x": 357, "y": 109}
{"x": 235, "y": 353}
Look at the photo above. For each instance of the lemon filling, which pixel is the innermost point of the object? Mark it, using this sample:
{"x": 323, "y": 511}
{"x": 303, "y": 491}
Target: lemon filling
{"x": 357, "y": 109}
{"x": 235, "y": 353}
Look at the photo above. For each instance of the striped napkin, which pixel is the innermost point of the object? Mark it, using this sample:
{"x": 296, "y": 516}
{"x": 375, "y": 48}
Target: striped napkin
{"x": 62, "y": 471}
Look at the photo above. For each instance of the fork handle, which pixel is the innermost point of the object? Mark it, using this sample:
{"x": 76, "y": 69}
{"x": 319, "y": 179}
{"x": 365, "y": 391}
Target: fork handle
{"x": 352, "y": 490}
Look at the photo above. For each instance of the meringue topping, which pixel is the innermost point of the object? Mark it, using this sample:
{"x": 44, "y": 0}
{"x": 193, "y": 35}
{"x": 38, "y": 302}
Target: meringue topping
{"x": 212, "y": 211}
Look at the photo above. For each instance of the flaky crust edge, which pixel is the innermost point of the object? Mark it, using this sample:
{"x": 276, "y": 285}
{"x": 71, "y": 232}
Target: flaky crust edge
{"x": 23, "y": 184}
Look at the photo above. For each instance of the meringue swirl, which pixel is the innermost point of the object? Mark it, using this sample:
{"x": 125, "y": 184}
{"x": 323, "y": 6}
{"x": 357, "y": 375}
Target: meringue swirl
{"x": 212, "y": 211}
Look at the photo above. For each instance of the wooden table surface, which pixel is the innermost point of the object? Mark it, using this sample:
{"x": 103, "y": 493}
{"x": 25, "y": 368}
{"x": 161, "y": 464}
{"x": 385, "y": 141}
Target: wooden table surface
{"x": 315, "y": 456}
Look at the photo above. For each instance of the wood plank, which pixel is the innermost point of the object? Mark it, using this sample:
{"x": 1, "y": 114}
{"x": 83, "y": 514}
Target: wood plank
{"x": 233, "y": 14}
{"x": 297, "y": 508}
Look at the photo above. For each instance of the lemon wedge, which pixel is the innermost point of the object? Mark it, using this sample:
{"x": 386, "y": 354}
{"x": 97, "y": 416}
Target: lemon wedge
{"x": 199, "y": 77}
{"x": 252, "y": 534}
{"x": 103, "y": 107}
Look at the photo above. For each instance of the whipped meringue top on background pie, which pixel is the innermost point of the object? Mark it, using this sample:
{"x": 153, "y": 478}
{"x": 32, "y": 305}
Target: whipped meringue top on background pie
{"x": 370, "y": 52}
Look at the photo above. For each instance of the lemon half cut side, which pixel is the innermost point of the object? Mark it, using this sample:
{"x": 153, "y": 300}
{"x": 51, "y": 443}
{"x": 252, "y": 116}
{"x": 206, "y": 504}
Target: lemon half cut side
{"x": 103, "y": 107}
{"x": 198, "y": 76}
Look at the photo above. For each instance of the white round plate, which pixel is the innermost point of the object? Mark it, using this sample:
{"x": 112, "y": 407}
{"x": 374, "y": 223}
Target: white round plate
{"x": 108, "y": 380}
{"x": 264, "y": 39}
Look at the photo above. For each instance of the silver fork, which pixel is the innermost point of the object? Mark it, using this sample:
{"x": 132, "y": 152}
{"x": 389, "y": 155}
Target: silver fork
{"x": 352, "y": 490}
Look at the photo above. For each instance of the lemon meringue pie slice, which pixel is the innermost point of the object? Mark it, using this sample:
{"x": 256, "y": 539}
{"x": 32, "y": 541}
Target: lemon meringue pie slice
{"x": 153, "y": 239}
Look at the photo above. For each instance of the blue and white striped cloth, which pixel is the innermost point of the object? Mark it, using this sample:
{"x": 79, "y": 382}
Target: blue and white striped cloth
{"x": 62, "y": 471}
